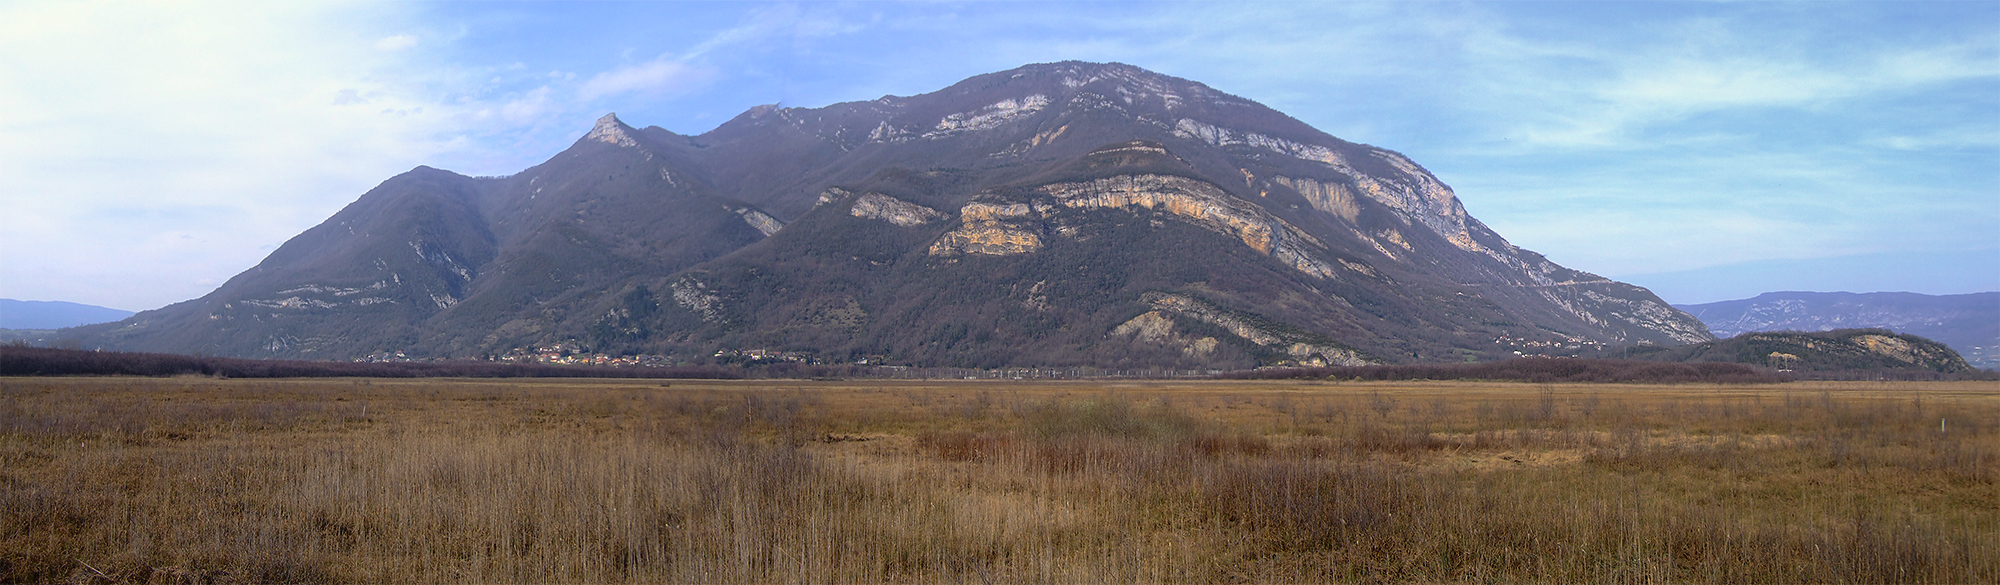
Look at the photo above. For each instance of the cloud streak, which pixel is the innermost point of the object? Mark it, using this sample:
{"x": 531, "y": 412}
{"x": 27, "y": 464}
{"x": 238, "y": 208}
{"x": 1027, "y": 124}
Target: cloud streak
{"x": 1611, "y": 96}
{"x": 658, "y": 76}
{"x": 396, "y": 43}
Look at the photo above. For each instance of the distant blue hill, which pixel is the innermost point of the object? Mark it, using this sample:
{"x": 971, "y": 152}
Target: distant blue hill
{"x": 54, "y": 314}
{"x": 1968, "y": 323}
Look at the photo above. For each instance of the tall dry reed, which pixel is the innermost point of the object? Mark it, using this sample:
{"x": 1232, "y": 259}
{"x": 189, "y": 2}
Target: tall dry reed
{"x": 195, "y": 480}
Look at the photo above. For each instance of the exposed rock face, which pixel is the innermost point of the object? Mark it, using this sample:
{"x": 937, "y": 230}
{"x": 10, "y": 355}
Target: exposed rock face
{"x": 1205, "y": 205}
{"x": 1155, "y": 327}
{"x": 611, "y": 131}
{"x": 1330, "y": 197}
{"x": 762, "y": 221}
{"x": 1306, "y": 349}
{"x": 693, "y": 295}
{"x": 1220, "y": 136}
{"x": 1892, "y": 347}
{"x": 1423, "y": 198}
{"x": 992, "y": 229}
{"x": 893, "y": 210}
{"x": 1646, "y": 314}
{"x": 1151, "y": 326}
{"x": 1016, "y": 228}
{"x": 988, "y": 117}
{"x": 330, "y": 297}
{"x": 1414, "y": 192}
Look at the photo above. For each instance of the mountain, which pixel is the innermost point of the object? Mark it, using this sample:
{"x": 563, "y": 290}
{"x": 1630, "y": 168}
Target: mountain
{"x": 1065, "y": 214}
{"x": 54, "y": 314}
{"x": 1824, "y": 351}
{"x": 1969, "y": 323}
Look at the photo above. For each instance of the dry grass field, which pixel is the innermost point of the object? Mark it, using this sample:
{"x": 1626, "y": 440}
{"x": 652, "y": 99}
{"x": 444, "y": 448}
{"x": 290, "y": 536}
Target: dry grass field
{"x": 173, "y": 480}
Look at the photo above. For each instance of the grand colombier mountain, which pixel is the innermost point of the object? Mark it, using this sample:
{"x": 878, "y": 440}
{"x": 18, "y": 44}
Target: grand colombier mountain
{"x": 1057, "y": 214}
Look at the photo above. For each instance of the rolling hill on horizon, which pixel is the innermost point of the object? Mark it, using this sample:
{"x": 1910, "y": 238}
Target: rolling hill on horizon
{"x": 1052, "y": 215}
{"x": 1839, "y": 350}
{"x": 1968, "y": 323}
{"x": 18, "y": 314}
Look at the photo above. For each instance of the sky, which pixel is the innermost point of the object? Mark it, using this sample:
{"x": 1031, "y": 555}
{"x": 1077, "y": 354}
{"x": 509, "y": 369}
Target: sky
{"x": 1708, "y": 151}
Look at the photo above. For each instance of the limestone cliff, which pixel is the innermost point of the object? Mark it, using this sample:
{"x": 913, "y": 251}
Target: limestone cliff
{"x": 990, "y": 227}
{"x": 1302, "y": 348}
{"x": 993, "y": 229}
{"x": 1204, "y": 204}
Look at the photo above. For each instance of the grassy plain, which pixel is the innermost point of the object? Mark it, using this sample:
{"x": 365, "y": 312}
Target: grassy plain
{"x": 206, "y": 480}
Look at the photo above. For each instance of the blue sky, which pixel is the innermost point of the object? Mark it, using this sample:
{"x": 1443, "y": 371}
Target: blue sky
{"x": 1708, "y": 151}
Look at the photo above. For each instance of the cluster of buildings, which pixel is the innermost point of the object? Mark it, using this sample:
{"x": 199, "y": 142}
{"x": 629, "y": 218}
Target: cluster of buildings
{"x": 1525, "y": 346}
{"x": 382, "y": 357}
{"x": 765, "y": 356}
{"x": 572, "y": 354}
{"x": 560, "y": 353}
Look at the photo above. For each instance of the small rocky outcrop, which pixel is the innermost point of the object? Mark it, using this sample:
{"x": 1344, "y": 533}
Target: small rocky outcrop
{"x": 893, "y": 210}
{"x": 1156, "y": 328}
{"x": 610, "y": 130}
{"x": 692, "y": 294}
{"x": 762, "y": 221}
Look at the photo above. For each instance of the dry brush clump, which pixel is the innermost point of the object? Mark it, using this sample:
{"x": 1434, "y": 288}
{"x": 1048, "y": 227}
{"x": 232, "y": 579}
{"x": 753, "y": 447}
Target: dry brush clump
{"x": 197, "y": 480}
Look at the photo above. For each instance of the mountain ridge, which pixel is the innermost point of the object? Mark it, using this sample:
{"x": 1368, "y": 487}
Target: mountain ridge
{"x": 1019, "y": 217}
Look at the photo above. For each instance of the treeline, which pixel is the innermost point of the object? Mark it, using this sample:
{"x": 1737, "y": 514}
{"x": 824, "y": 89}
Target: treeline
{"x": 23, "y": 360}
{"x": 1539, "y": 370}
{"x": 1897, "y": 375}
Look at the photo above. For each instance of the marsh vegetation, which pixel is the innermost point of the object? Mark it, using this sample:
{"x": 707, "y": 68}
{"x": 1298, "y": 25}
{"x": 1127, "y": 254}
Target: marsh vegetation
{"x": 339, "y": 480}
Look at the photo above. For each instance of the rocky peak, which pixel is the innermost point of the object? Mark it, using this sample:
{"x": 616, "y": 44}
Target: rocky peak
{"x": 610, "y": 130}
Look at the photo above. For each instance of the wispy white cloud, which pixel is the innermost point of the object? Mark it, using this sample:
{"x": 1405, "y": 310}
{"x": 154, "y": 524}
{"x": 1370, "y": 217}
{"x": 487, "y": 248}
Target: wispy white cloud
{"x": 1609, "y": 96}
{"x": 396, "y": 43}
{"x": 762, "y": 28}
{"x": 532, "y": 107}
{"x": 787, "y": 24}
{"x": 660, "y": 75}
{"x": 1946, "y": 139}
